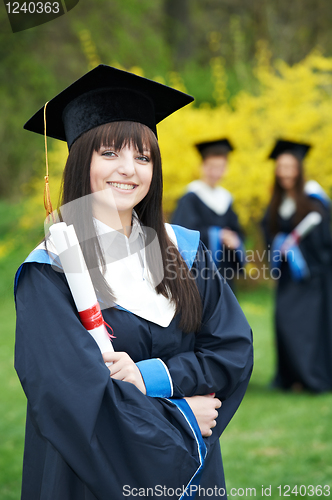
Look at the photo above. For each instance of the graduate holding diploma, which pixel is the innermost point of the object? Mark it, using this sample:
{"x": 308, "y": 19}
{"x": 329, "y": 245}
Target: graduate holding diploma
{"x": 297, "y": 230}
{"x": 208, "y": 208}
{"x": 147, "y": 415}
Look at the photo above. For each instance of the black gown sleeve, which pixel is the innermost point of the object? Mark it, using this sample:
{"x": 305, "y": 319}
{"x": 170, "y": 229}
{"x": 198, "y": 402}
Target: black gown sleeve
{"x": 187, "y": 214}
{"x": 315, "y": 246}
{"x": 223, "y": 345}
{"x": 106, "y": 431}
{"x": 222, "y": 358}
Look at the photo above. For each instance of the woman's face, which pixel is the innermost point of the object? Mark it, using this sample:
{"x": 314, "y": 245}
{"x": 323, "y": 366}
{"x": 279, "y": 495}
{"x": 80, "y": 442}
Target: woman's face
{"x": 213, "y": 169}
{"x": 120, "y": 180}
{"x": 287, "y": 171}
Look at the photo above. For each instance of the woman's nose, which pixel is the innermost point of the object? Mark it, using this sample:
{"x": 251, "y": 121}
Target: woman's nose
{"x": 126, "y": 166}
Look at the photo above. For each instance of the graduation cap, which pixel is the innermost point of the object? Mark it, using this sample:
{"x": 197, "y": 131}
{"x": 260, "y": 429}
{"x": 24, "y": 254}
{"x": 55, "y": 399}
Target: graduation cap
{"x": 217, "y": 147}
{"x": 298, "y": 149}
{"x": 101, "y": 96}
{"x": 105, "y": 95}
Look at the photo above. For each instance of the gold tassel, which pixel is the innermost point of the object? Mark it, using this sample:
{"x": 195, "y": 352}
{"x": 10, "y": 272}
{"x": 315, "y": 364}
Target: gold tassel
{"x": 47, "y": 195}
{"x": 47, "y": 200}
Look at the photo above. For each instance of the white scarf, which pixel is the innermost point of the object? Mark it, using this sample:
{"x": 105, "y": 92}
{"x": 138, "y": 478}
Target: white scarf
{"x": 217, "y": 199}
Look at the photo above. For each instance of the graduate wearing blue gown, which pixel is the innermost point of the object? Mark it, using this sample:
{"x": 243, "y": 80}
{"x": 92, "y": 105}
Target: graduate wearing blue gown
{"x": 303, "y": 319}
{"x": 149, "y": 424}
{"x": 208, "y": 208}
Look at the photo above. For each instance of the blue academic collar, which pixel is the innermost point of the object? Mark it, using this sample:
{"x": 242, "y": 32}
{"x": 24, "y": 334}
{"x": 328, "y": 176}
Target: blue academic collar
{"x": 315, "y": 190}
{"x": 317, "y": 196}
{"x": 187, "y": 241}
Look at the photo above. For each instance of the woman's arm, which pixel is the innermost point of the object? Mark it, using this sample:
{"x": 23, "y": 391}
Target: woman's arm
{"x": 219, "y": 358}
{"x": 205, "y": 410}
{"x": 95, "y": 423}
{"x": 203, "y": 407}
{"x": 124, "y": 368}
{"x": 222, "y": 354}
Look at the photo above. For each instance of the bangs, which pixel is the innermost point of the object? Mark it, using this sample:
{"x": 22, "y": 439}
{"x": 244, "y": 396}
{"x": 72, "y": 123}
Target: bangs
{"x": 118, "y": 135}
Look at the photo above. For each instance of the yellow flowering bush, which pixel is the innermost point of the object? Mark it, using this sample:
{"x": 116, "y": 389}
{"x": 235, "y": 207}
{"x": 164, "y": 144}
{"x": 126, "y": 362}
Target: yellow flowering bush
{"x": 293, "y": 103}
{"x": 34, "y": 211}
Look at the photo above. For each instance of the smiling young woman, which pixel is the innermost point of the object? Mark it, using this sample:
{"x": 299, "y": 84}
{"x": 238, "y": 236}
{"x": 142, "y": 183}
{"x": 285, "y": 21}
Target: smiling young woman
{"x": 182, "y": 345}
{"x": 117, "y": 209}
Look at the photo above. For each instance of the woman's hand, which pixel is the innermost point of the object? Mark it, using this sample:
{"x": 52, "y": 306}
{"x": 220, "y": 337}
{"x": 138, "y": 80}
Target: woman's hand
{"x": 205, "y": 410}
{"x": 124, "y": 368}
{"x": 230, "y": 239}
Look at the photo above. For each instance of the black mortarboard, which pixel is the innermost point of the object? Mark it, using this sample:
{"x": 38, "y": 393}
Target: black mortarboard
{"x": 298, "y": 149}
{"x": 105, "y": 95}
{"x": 222, "y": 144}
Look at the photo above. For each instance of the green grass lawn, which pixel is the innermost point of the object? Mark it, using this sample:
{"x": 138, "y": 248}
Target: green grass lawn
{"x": 274, "y": 439}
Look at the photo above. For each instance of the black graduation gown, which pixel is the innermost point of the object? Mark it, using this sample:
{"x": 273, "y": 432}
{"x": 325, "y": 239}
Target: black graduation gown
{"x": 90, "y": 437}
{"x": 193, "y": 213}
{"x": 303, "y": 313}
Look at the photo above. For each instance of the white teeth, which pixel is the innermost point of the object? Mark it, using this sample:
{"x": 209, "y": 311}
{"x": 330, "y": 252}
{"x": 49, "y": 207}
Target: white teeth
{"x": 122, "y": 186}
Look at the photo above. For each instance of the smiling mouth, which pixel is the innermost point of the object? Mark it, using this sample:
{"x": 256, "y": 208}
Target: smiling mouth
{"x": 119, "y": 185}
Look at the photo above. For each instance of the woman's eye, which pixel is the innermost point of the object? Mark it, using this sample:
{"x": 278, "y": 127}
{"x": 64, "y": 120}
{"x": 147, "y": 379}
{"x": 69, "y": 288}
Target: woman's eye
{"x": 108, "y": 153}
{"x": 143, "y": 158}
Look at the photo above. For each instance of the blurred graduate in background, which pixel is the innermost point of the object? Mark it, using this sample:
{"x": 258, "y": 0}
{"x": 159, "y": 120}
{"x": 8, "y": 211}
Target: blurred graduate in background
{"x": 296, "y": 226}
{"x": 207, "y": 208}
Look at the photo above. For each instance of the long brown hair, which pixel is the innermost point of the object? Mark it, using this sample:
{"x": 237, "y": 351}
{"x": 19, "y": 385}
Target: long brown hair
{"x": 177, "y": 284}
{"x": 303, "y": 203}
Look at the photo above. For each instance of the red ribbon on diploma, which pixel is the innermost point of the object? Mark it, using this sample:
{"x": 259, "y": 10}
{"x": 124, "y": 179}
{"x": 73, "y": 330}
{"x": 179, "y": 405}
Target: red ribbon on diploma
{"x": 92, "y": 318}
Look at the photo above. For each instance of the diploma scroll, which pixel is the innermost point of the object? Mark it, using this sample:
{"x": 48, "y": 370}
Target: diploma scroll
{"x": 301, "y": 230}
{"x": 80, "y": 284}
